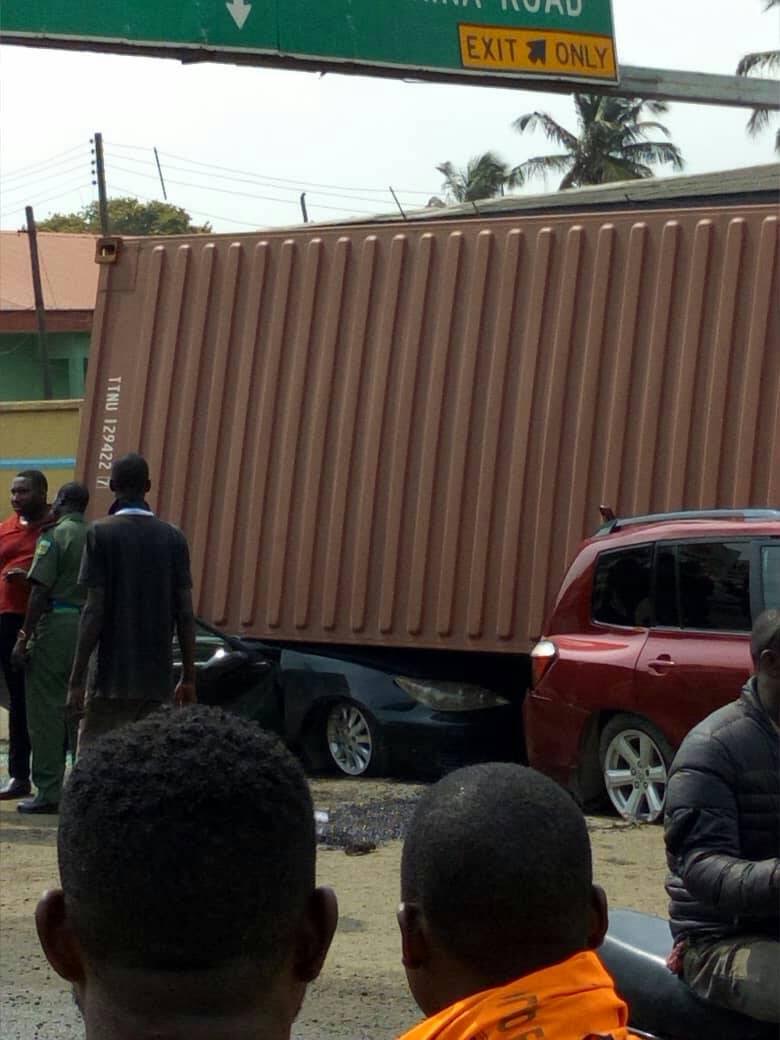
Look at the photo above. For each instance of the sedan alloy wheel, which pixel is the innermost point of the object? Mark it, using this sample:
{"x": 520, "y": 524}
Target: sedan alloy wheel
{"x": 350, "y": 739}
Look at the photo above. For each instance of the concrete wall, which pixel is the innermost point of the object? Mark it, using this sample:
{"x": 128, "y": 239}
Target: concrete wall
{"x": 38, "y": 435}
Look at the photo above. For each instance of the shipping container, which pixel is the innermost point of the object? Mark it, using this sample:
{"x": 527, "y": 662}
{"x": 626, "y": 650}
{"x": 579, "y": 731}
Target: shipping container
{"x": 396, "y": 433}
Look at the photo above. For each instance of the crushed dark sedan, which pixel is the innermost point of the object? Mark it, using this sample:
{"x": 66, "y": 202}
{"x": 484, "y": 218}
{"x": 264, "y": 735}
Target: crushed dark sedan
{"x": 368, "y": 712}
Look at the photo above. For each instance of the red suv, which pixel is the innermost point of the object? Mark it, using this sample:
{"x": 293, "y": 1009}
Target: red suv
{"x": 649, "y": 633}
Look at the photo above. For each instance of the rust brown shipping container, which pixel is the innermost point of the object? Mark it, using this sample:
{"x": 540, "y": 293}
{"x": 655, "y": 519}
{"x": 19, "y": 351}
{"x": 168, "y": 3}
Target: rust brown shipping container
{"x": 397, "y": 433}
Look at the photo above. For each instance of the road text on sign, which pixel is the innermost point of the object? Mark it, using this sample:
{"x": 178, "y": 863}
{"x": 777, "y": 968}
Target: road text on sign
{"x": 579, "y": 55}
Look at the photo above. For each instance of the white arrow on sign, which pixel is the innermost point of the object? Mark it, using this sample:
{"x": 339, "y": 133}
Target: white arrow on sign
{"x": 239, "y": 11}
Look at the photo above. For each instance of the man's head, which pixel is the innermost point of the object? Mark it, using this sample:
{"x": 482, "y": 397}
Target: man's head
{"x": 187, "y": 854}
{"x": 130, "y": 476}
{"x": 765, "y": 651}
{"x": 71, "y": 498}
{"x": 496, "y": 882}
{"x": 28, "y": 494}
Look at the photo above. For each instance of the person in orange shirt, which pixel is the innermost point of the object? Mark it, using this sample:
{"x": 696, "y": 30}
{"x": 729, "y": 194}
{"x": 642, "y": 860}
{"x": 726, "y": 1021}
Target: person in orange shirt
{"x": 18, "y": 536}
{"x": 499, "y": 915}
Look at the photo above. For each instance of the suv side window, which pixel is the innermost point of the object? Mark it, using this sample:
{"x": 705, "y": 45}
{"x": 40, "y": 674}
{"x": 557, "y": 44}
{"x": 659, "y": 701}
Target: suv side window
{"x": 621, "y": 586}
{"x": 770, "y": 576}
{"x": 665, "y": 598}
{"x": 714, "y": 580}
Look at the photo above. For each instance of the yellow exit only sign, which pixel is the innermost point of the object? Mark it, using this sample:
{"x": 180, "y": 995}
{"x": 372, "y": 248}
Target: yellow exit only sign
{"x": 547, "y": 52}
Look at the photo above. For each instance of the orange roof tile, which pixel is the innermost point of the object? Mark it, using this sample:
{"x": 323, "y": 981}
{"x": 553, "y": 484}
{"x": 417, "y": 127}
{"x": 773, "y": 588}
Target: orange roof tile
{"x": 69, "y": 274}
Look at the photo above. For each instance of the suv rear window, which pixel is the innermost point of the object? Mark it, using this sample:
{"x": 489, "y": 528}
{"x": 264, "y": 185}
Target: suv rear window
{"x": 696, "y": 585}
{"x": 715, "y": 585}
{"x": 621, "y": 586}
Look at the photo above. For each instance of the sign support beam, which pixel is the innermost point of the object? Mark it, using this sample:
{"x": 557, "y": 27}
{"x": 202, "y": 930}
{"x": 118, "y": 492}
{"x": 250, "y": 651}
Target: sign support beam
{"x": 699, "y": 88}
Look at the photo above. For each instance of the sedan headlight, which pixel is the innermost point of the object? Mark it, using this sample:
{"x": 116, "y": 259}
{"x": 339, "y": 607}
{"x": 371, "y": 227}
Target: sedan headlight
{"x": 443, "y": 695}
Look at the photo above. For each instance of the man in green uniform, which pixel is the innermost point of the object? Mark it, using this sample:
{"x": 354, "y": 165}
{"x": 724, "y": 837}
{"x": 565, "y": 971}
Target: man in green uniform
{"x": 47, "y": 643}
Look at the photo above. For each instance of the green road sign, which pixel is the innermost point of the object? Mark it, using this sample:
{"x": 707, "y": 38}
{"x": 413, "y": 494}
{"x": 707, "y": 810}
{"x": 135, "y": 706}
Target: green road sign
{"x": 486, "y": 39}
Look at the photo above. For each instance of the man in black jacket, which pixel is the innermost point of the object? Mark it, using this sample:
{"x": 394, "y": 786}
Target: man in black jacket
{"x": 722, "y": 830}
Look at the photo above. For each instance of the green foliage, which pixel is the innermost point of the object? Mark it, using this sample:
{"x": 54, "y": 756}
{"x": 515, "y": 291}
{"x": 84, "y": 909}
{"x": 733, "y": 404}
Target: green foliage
{"x": 127, "y": 216}
{"x": 484, "y": 177}
{"x": 761, "y": 63}
{"x": 611, "y": 145}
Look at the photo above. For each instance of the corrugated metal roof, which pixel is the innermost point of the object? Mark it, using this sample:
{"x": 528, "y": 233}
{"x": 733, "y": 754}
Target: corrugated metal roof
{"x": 660, "y": 191}
{"x": 745, "y": 185}
{"x": 69, "y": 273}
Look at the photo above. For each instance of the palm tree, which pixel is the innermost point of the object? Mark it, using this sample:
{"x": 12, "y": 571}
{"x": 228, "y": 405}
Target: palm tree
{"x": 484, "y": 177}
{"x": 611, "y": 145}
{"x": 761, "y": 61}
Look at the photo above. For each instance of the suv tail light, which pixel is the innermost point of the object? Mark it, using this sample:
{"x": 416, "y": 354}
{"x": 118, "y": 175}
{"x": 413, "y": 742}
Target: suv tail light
{"x": 542, "y": 656}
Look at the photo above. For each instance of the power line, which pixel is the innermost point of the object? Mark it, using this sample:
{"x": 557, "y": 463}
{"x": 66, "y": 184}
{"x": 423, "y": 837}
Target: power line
{"x": 297, "y": 183}
{"x": 260, "y": 182}
{"x": 33, "y": 175}
{"x": 47, "y": 169}
{"x": 40, "y": 201}
{"x": 281, "y": 180}
{"x": 28, "y": 183}
{"x": 192, "y": 212}
{"x": 240, "y": 180}
{"x": 129, "y": 158}
{"x": 245, "y": 194}
{"x": 24, "y": 170}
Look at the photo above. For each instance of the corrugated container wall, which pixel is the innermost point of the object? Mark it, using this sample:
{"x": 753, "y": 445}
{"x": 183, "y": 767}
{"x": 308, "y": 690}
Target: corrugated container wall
{"x": 399, "y": 434}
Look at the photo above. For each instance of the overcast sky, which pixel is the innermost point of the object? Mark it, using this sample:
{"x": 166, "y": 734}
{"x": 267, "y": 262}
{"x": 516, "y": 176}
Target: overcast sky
{"x": 266, "y": 135}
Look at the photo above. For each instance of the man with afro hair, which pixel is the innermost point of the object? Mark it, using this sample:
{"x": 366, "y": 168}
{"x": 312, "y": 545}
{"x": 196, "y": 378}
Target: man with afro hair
{"x": 188, "y": 908}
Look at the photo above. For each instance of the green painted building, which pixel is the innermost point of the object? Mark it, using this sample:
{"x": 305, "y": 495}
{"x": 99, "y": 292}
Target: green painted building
{"x": 69, "y": 277}
{"x": 21, "y": 371}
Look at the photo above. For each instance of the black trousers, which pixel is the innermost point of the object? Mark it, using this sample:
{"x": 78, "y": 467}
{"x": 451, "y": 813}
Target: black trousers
{"x": 18, "y": 738}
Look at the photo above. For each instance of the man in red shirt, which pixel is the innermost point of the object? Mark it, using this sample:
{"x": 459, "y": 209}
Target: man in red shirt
{"x": 18, "y": 535}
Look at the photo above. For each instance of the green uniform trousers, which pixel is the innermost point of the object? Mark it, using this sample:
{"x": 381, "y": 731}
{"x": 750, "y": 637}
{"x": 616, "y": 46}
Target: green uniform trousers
{"x": 740, "y": 972}
{"x": 48, "y": 671}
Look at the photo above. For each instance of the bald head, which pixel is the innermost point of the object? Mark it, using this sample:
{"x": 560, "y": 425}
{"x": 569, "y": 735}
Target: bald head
{"x": 765, "y": 635}
{"x": 498, "y": 861}
{"x": 765, "y": 650}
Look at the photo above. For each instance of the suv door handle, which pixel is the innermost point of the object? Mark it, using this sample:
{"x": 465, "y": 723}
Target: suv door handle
{"x": 661, "y": 664}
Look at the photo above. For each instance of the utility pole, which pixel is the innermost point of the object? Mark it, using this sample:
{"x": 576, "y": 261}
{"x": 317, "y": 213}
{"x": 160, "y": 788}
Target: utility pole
{"x": 100, "y": 172}
{"x": 400, "y": 207}
{"x": 159, "y": 170}
{"x": 40, "y": 312}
